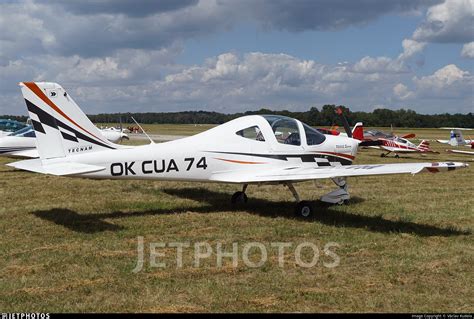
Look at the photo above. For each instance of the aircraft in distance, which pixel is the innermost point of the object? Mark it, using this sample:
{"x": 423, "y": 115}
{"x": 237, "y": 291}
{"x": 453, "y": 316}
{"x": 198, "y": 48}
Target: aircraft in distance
{"x": 19, "y": 144}
{"x": 400, "y": 145}
{"x": 22, "y": 142}
{"x": 114, "y": 135}
{"x": 9, "y": 126}
{"x": 254, "y": 149}
{"x": 456, "y": 138}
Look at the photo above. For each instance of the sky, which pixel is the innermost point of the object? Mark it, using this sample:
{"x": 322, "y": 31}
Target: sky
{"x": 237, "y": 55}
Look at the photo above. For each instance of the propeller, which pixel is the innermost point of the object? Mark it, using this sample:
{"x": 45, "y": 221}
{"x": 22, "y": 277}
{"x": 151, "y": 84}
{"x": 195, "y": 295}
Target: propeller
{"x": 344, "y": 121}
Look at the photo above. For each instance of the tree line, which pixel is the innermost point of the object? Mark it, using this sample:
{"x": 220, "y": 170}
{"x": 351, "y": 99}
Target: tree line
{"x": 326, "y": 116}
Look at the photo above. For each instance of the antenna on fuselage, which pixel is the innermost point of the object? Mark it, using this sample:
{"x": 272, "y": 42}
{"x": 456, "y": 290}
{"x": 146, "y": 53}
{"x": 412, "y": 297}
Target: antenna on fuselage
{"x": 141, "y": 128}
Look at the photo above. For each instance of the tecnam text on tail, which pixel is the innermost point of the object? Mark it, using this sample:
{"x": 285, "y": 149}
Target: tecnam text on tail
{"x": 255, "y": 149}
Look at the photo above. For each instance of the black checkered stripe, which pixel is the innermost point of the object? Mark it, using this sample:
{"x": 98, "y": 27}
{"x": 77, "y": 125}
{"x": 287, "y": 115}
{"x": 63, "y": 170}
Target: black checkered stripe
{"x": 67, "y": 132}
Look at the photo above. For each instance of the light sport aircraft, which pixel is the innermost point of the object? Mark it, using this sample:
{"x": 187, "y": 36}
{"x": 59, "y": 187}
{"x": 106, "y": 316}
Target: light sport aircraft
{"x": 252, "y": 149}
{"x": 22, "y": 143}
{"x": 400, "y": 145}
{"x": 19, "y": 144}
{"x": 456, "y": 138}
{"x": 114, "y": 135}
{"x": 9, "y": 126}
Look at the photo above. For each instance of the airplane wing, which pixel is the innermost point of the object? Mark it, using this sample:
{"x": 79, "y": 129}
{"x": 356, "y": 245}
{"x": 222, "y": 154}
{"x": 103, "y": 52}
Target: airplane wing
{"x": 460, "y": 152}
{"x": 59, "y": 169}
{"x": 296, "y": 174}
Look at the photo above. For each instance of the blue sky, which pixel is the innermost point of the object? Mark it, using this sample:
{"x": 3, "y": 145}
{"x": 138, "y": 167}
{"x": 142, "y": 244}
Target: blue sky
{"x": 233, "y": 56}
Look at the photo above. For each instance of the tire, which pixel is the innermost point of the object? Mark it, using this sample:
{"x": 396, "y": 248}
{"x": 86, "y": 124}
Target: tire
{"x": 343, "y": 202}
{"x": 239, "y": 198}
{"x": 304, "y": 209}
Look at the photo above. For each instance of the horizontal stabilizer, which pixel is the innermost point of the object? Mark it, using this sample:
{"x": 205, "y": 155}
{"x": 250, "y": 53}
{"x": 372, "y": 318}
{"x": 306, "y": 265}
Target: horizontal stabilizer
{"x": 58, "y": 168}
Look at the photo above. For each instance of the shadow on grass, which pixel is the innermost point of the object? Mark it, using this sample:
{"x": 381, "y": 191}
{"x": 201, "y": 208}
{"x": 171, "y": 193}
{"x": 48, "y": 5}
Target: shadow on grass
{"x": 217, "y": 201}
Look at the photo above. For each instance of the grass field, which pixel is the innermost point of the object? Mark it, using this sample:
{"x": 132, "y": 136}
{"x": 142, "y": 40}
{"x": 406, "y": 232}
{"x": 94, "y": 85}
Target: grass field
{"x": 405, "y": 243}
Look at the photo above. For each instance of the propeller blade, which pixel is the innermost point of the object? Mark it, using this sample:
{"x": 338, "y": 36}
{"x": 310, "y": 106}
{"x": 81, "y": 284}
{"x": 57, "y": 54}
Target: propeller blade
{"x": 344, "y": 121}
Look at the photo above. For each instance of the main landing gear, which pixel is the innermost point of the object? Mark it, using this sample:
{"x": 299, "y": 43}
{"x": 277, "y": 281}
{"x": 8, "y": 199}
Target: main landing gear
{"x": 303, "y": 208}
{"x": 339, "y": 196}
{"x": 240, "y": 197}
{"x": 386, "y": 154}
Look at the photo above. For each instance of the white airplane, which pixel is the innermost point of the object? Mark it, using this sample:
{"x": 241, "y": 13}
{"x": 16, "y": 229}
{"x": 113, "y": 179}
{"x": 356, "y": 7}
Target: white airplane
{"x": 19, "y": 144}
{"x": 114, "y": 135}
{"x": 9, "y": 126}
{"x": 456, "y": 138}
{"x": 243, "y": 151}
{"x": 22, "y": 143}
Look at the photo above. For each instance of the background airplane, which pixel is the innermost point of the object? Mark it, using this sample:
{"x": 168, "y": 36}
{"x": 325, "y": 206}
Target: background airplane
{"x": 456, "y": 138}
{"x": 400, "y": 145}
{"x": 22, "y": 142}
{"x": 114, "y": 135}
{"x": 9, "y": 126}
{"x": 250, "y": 150}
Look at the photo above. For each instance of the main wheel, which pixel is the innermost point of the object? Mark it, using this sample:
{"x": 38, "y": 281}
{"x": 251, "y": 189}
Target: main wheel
{"x": 239, "y": 198}
{"x": 397, "y": 156}
{"x": 304, "y": 209}
{"x": 382, "y": 155}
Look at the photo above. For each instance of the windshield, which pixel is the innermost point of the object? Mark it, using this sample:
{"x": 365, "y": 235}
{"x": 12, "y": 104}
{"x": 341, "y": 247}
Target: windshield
{"x": 285, "y": 129}
{"x": 313, "y": 137}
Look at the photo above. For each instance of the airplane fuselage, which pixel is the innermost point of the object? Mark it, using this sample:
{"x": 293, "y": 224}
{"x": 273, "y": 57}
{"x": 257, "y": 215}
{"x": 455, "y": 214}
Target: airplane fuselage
{"x": 194, "y": 158}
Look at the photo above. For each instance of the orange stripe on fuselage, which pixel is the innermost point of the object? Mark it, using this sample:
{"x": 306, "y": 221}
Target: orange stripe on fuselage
{"x": 238, "y": 162}
{"x": 35, "y": 89}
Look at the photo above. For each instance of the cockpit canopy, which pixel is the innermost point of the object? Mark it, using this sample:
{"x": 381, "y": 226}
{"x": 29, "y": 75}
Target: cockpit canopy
{"x": 286, "y": 131}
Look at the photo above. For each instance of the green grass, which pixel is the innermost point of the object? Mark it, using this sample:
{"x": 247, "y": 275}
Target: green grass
{"x": 406, "y": 243}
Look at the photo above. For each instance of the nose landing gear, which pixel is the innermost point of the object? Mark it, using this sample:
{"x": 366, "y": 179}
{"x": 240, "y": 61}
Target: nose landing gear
{"x": 339, "y": 196}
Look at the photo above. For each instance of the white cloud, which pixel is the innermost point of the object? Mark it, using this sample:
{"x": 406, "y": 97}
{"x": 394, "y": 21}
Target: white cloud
{"x": 449, "y": 22}
{"x": 402, "y": 92}
{"x": 114, "y": 59}
{"x": 448, "y": 82}
{"x": 411, "y": 48}
{"x": 468, "y": 50}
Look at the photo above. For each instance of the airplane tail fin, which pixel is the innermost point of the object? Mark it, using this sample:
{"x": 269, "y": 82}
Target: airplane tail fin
{"x": 61, "y": 128}
{"x": 358, "y": 131}
{"x": 424, "y": 146}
